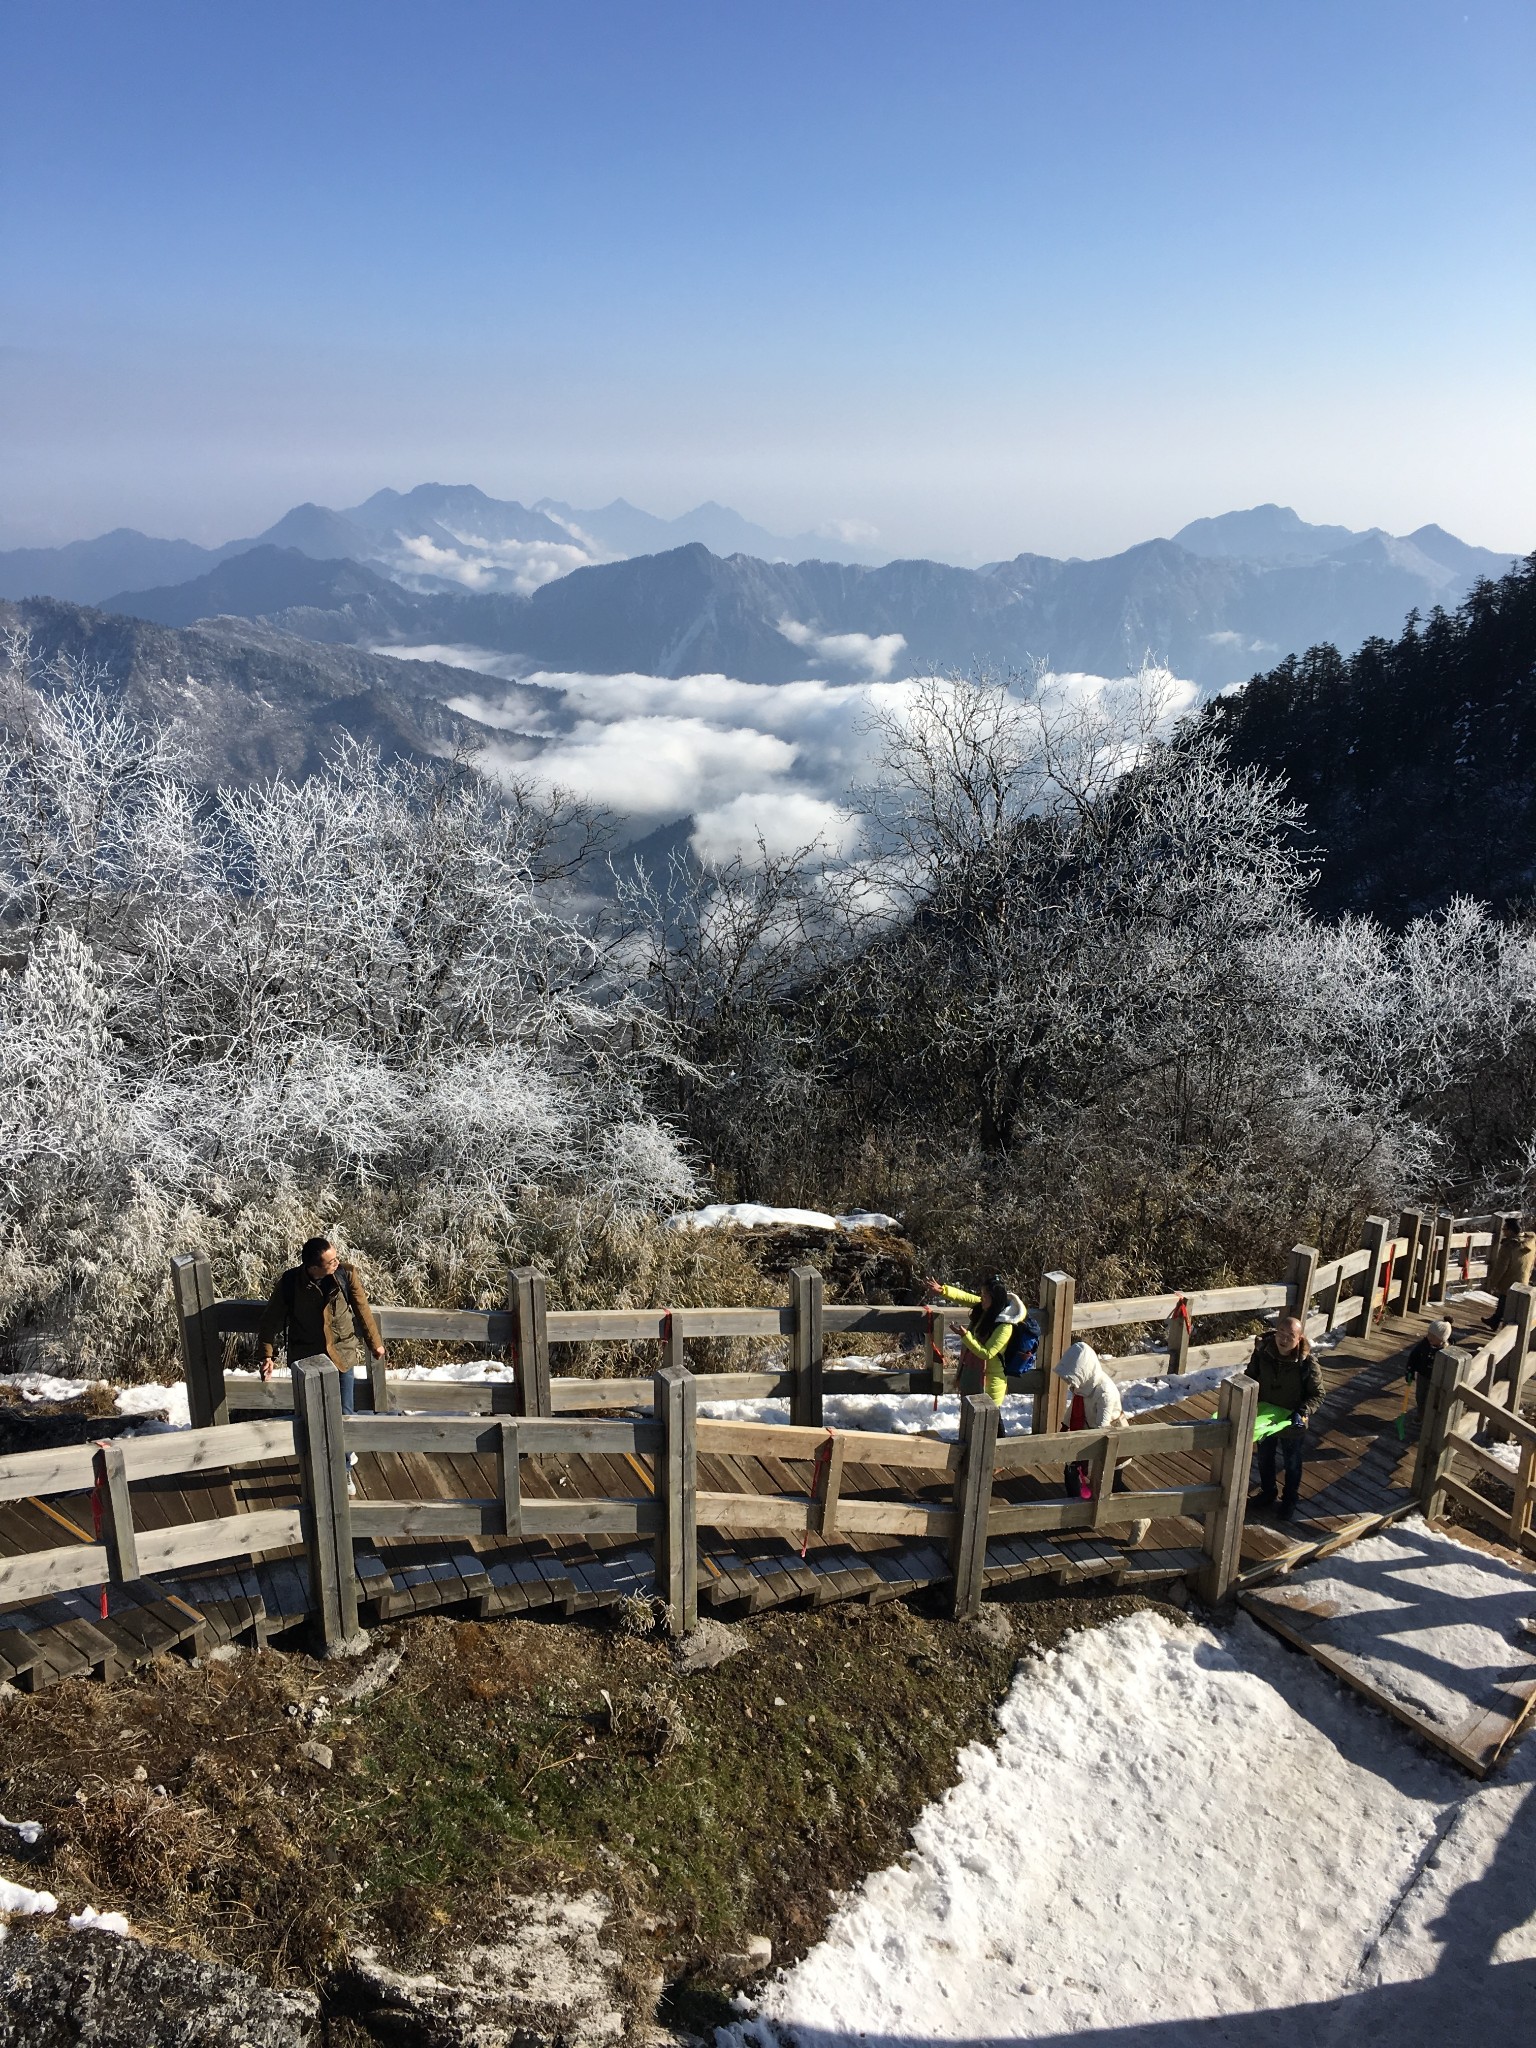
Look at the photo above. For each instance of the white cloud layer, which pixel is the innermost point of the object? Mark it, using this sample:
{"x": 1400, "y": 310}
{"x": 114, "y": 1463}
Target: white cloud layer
{"x": 875, "y": 653}
{"x": 775, "y": 761}
{"x": 517, "y": 566}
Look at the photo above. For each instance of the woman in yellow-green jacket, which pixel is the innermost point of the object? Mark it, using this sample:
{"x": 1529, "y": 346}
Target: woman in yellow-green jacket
{"x": 996, "y": 1336}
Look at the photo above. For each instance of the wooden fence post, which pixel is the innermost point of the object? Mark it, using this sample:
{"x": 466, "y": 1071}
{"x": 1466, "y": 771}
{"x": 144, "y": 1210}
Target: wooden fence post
{"x": 1443, "y": 1424}
{"x": 1058, "y": 1293}
{"x": 1373, "y": 1240}
{"x": 117, "y": 1531}
{"x": 1520, "y": 1309}
{"x": 530, "y": 1337}
{"x": 1237, "y": 1403}
{"x": 1178, "y": 1341}
{"x": 1408, "y": 1226}
{"x": 1445, "y": 1231}
{"x": 1299, "y": 1279}
{"x": 378, "y": 1386}
{"x": 202, "y": 1349}
{"x": 973, "y": 1502}
{"x": 806, "y": 1346}
{"x": 671, "y": 1342}
{"x": 317, "y": 1437}
{"x": 1331, "y": 1294}
{"x": 675, "y": 1401}
{"x": 509, "y": 1477}
{"x": 1426, "y": 1265}
{"x": 935, "y": 1330}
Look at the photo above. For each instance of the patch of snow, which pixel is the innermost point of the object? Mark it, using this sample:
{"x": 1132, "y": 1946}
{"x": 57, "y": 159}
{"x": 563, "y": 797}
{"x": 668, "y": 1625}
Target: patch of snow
{"x": 756, "y": 1215}
{"x": 161, "y": 1407}
{"x": 165, "y": 1404}
{"x": 1507, "y": 1455}
{"x": 891, "y": 1414}
{"x": 468, "y": 1369}
{"x": 91, "y": 1922}
{"x": 30, "y": 1831}
{"x": 44, "y": 1386}
{"x": 1431, "y": 1622}
{"x": 1171, "y": 1825}
{"x": 20, "y": 1899}
{"x": 918, "y": 1414}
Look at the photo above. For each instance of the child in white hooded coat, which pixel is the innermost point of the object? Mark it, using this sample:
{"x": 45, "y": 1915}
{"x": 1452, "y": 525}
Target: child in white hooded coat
{"x": 1095, "y": 1404}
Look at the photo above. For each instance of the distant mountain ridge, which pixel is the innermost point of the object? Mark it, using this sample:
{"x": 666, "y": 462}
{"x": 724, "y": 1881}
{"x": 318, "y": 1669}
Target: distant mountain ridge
{"x": 1214, "y": 619}
{"x": 437, "y": 536}
{"x": 456, "y": 537}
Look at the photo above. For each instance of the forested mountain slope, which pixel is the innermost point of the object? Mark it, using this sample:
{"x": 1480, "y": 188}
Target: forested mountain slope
{"x": 250, "y": 701}
{"x": 1415, "y": 757}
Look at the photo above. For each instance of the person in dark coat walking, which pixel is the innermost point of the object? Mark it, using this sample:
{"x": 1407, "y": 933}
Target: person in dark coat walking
{"x": 1421, "y": 1361}
{"x": 1509, "y": 1265}
{"x": 1288, "y": 1377}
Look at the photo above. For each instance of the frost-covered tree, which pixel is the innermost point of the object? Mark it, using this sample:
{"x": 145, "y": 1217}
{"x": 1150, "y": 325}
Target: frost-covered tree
{"x": 223, "y": 1017}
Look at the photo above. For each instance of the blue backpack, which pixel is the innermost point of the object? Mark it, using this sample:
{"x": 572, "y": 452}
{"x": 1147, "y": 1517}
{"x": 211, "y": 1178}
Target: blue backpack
{"x": 1023, "y": 1345}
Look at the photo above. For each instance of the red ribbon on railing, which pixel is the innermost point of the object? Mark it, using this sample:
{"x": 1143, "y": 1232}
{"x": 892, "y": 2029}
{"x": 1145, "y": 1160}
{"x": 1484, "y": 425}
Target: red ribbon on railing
{"x": 1180, "y": 1314}
{"x": 936, "y": 1353}
{"x": 822, "y": 1461}
{"x": 98, "y": 1515}
{"x": 666, "y": 1328}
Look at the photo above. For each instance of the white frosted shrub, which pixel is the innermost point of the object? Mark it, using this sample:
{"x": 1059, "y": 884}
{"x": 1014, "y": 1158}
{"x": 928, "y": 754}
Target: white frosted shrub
{"x": 226, "y": 1023}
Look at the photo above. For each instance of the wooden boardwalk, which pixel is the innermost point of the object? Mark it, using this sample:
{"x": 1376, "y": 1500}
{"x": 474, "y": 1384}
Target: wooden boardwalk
{"x": 1356, "y": 1480}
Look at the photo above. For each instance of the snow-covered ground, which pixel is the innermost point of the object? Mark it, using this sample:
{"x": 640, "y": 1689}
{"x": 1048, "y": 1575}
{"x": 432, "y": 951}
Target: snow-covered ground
{"x": 1172, "y": 1829}
{"x": 757, "y": 1216}
{"x": 911, "y": 1414}
{"x": 157, "y": 1405}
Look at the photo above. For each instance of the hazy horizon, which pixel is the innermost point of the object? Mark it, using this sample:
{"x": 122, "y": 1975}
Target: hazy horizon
{"x": 978, "y": 281}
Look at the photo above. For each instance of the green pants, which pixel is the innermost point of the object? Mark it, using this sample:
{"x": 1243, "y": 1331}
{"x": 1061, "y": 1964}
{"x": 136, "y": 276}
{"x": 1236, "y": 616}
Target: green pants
{"x": 981, "y": 1376}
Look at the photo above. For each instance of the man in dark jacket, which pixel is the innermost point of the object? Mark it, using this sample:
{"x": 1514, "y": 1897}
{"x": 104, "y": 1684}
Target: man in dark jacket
{"x": 1509, "y": 1265}
{"x": 318, "y": 1310}
{"x": 1288, "y": 1378}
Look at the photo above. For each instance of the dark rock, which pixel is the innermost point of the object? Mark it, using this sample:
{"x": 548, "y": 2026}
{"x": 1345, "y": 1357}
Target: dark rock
{"x": 96, "y": 1991}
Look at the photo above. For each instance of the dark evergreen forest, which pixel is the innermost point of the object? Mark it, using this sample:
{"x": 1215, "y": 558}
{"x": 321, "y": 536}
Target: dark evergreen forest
{"x": 1415, "y": 758}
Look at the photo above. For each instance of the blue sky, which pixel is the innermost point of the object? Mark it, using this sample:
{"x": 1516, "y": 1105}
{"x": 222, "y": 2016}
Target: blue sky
{"x": 982, "y": 277}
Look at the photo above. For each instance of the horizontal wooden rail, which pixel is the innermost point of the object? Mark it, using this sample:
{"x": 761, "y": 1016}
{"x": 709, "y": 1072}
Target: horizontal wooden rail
{"x": 25, "y": 1474}
{"x": 1519, "y": 1430}
{"x": 1340, "y": 1269}
{"x": 33, "y": 1474}
{"x": 207, "y": 1450}
{"x": 1031, "y": 1517}
{"x": 1144, "y": 1365}
{"x": 230, "y": 1536}
{"x": 1156, "y": 1308}
{"x": 494, "y": 1327}
{"x": 537, "y": 1436}
{"x": 37, "y": 1573}
{"x": 861, "y": 1446}
{"x": 1137, "y": 1440}
{"x": 383, "y": 1520}
{"x": 787, "y": 1514}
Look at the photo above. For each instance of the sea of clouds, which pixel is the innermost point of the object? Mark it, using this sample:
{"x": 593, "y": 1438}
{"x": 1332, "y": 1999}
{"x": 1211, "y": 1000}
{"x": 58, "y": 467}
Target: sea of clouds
{"x": 775, "y": 763}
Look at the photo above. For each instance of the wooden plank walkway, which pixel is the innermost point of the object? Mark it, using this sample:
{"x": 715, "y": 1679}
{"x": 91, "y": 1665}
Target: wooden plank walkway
{"x": 1355, "y": 1481}
{"x": 1473, "y": 1712}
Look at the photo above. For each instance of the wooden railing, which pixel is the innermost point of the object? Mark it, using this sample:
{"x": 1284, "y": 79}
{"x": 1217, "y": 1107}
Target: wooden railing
{"x": 314, "y": 1440}
{"x": 1386, "y": 1270}
{"x": 122, "y": 1552}
{"x": 1483, "y": 1392}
